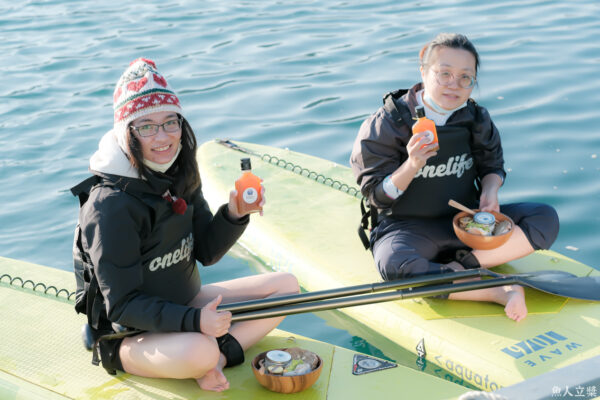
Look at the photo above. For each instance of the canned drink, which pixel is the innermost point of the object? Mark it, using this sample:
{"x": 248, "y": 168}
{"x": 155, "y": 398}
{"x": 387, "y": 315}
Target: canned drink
{"x": 277, "y": 360}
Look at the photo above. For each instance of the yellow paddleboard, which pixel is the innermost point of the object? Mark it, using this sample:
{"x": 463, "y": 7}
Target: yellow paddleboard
{"x": 42, "y": 355}
{"x": 309, "y": 228}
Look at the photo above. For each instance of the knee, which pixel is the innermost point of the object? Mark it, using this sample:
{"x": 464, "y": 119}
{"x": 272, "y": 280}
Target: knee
{"x": 286, "y": 283}
{"x": 200, "y": 356}
{"x": 546, "y": 212}
{"x": 541, "y": 226}
{"x": 394, "y": 266}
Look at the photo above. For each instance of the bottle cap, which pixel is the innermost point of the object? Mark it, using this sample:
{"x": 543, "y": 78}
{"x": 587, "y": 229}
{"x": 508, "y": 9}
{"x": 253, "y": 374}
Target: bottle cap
{"x": 420, "y": 111}
{"x": 279, "y": 356}
{"x": 246, "y": 165}
{"x": 484, "y": 218}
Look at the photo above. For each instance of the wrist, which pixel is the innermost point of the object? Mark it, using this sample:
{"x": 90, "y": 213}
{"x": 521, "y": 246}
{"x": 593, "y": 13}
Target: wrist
{"x": 231, "y": 214}
{"x": 231, "y": 217}
{"x": 489, "y": 193}
{"x": 412, "y": 166}
{"x": 390, "y": 189}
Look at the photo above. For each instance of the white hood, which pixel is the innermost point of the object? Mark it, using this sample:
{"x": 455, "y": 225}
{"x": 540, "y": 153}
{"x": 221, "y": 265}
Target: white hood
{"x": 111, "y": 159}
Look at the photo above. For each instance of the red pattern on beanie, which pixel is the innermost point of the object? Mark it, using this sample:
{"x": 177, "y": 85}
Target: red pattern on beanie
{"x": 117, "y": 94}
{"x": 142, "y": 90}
{"x": 137, "y": 86}
{"x": 147, "y": 61}
{"x": 160, "y": 80}
{"x": 149, "y": 102}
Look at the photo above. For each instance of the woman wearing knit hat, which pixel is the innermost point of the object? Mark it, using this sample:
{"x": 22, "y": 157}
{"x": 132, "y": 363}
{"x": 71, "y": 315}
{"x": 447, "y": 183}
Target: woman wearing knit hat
{"x": 142, "y": 225}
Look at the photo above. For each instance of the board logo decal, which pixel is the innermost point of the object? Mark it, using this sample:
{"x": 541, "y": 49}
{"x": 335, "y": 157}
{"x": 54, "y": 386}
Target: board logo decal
{"x": 363, "y": 364}
{"x": 421, "y": 352}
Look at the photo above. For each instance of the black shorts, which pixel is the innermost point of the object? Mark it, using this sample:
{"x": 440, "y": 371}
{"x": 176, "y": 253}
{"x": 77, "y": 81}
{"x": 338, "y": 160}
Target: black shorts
{"x": 109, "y": 355}
{"x": 411, "y": 247}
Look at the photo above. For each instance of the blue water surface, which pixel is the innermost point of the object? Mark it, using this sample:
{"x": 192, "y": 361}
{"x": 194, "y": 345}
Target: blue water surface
{"x": 296, "y": 74}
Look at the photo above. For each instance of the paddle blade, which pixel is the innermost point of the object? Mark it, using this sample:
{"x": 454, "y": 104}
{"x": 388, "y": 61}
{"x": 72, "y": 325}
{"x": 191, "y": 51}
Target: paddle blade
{"x": 578, "y": 287}
{"x": 549, "y": 274}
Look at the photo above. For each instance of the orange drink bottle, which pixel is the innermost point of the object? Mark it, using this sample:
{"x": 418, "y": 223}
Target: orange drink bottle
{"x": 424, "y": 124}
{"x": 248, "y": 189}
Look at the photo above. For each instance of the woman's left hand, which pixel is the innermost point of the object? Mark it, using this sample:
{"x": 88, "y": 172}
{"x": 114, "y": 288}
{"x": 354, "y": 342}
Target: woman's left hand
{"x": 488, "y": 202}
{"x": 489, "y": 193}
{"x": 233, "y": 206}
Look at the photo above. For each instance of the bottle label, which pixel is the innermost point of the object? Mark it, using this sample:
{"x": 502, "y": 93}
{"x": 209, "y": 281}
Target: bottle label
{"x": 428, "y": 138}
{"x": 250, "y": 195}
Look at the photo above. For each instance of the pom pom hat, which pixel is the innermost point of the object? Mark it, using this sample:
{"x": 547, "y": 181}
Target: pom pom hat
{"x": 140, "y": 91}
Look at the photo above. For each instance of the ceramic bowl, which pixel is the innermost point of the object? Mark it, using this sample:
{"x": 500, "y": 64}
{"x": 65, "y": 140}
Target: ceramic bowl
{"x": 286, "y": 384}
{"x": 481, "y": 242}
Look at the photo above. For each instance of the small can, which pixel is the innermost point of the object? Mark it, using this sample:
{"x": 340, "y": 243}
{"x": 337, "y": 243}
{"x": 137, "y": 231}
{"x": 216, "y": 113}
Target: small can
{"x": 277, "y": 360}
{"x": 486, "y": 219}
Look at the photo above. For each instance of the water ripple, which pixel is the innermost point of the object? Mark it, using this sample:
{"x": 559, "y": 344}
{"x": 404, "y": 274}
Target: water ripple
{"x": 301, "y": 74}
{"x": 320, "y": 101}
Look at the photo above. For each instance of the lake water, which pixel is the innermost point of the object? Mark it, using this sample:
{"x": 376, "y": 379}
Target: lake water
{"x": 296, "y": 74}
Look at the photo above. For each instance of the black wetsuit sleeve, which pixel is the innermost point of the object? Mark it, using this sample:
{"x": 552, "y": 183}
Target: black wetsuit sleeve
{"x": 214, "y": 234}
{"x": 111, "y": 234}
{"x": 486, "y": 146}
{"x": 379, "y": 149}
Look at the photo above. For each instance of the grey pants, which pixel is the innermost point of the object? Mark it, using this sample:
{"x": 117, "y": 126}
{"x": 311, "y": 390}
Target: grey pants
{"x": 411, "y": 247}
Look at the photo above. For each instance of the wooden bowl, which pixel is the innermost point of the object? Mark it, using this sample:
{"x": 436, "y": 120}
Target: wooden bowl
{"x": 481, "y": 242}
{"x": 285, "y": 384}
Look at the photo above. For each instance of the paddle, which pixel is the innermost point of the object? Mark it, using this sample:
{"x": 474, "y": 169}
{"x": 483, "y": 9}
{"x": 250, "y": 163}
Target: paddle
{"x": 347, "y": 291}
{"x": 377, "y": 287}
{"x": 554, "y": 282}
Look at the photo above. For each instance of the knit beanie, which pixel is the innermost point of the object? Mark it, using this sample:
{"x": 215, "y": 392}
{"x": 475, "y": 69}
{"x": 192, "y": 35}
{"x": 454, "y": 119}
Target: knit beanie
{"x": 141, "y": 90}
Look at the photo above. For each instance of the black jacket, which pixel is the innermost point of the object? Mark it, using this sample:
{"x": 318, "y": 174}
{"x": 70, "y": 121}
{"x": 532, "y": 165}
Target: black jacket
{"x": 144, "y": 254}
{"x": 470, "y": 149}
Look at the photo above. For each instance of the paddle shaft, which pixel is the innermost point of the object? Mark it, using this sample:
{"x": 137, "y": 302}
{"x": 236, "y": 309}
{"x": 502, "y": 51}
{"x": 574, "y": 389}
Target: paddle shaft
{"x": 425, "y": 291}
{"x": 347, "y": 291}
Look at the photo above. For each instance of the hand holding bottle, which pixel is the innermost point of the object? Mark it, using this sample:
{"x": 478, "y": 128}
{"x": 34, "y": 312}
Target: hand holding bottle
{"x": 249, "y": 190}
{"x": 418, "y": 153}
{"x": 233, "y": 203}
{"x": 425, "y": 125}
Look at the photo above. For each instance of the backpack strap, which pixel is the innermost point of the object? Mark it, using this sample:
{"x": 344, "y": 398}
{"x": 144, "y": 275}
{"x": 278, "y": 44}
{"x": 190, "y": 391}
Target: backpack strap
{"x": 111, "y": 336}
{"x": 91, "y": 301}
{"x": 389, "y": 103}
{"x": 82, "y": 190}
{"x": 368, "y": 221}
{"x": 94, "y": 307}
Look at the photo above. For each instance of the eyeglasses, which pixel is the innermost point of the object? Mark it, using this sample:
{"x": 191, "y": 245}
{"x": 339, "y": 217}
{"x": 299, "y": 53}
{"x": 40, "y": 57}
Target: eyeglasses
{"x": 444, "y": 78}
{"x": 146, "y": 130}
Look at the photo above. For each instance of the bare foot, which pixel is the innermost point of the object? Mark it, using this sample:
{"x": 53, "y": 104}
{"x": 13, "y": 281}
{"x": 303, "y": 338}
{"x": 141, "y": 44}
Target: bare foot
{"x": 214, "y": 380}
{"x": 516, "y": 308}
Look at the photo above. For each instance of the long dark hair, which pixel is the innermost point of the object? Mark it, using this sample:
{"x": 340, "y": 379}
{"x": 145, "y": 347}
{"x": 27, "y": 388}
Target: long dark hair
{"x": 185, "y": 169}
{"x": 452, "y": 40}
